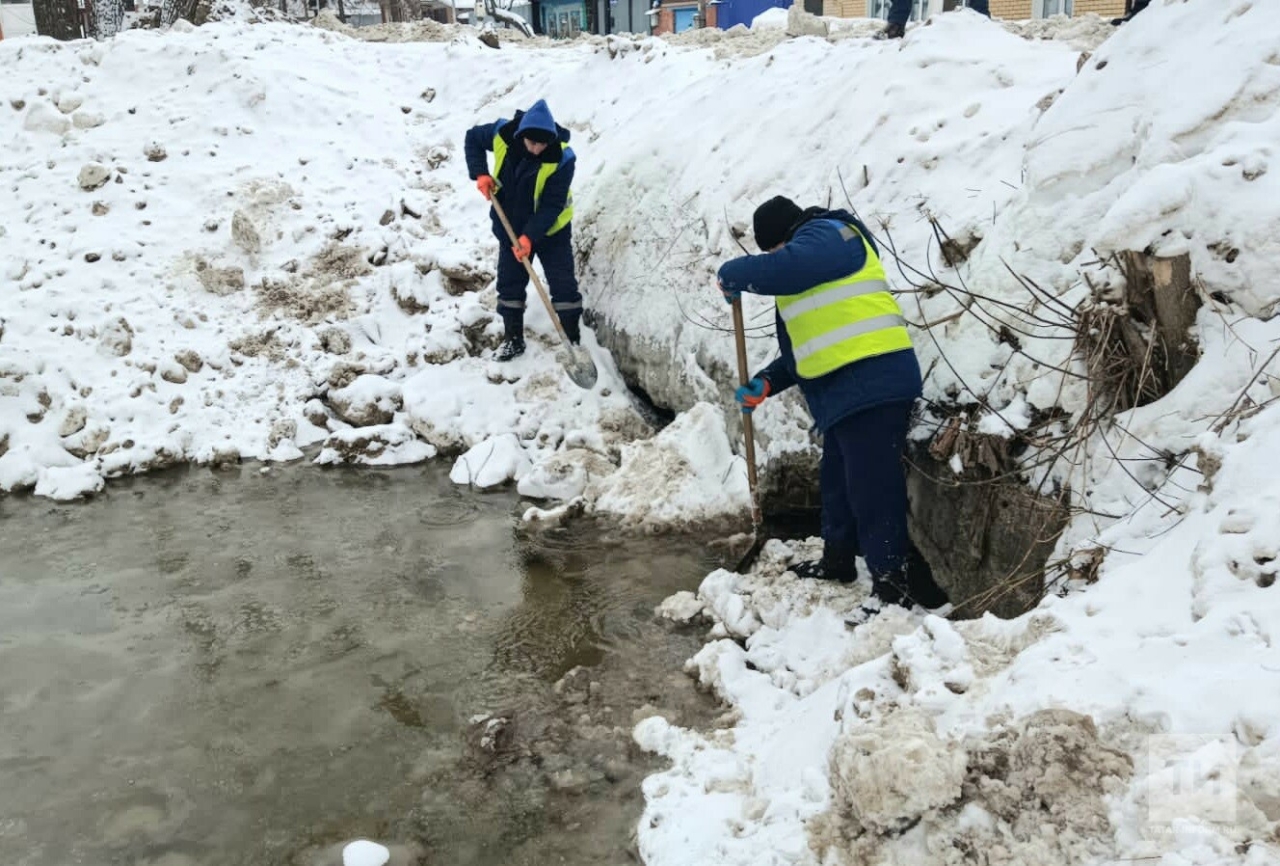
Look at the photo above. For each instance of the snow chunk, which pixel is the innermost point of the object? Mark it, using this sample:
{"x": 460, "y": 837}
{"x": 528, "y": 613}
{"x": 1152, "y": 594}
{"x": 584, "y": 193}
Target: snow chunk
{"x": 69, "y": 102}
{"x": 369, "y": 400}
{"x": 683, "y": 607}
{"x": 685, "y": 476}
{"x": 362, "y": 852}
{"x": 774, "y": 18}
{"x": 116, "y": 338}
{"x": 721, "y": 591}
{"x": 887, "y": 775}
{"x": 802, "y": 23}
{"x": 492, "y": 462}
{"x": 88, "y": 119}
{"x": 69, "y": 482}
{"x": 379, "y": 445}
{"x": 564, "y": 474}
{"x": 93, "y": 175}
{"x": 454, "y": 407}
{"x": 43, "y": 117}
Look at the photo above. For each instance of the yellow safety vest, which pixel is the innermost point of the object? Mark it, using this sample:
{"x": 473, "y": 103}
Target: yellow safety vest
{"x": 544, "y": 171}
{"x": 845, "y": 320}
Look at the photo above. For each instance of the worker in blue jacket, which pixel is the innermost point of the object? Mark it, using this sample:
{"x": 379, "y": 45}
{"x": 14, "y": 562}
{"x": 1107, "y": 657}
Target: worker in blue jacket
{"x": 532, "y": 172}
{"x": 844, "y": 341}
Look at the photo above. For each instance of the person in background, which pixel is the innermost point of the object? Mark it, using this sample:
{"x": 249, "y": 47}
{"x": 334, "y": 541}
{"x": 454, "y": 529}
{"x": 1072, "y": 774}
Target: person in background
{"x": 844, "y": 342}
{"x": 900, "y": 12}
{"x": 1131, "y": 8}
{"x": 532, "y": 172}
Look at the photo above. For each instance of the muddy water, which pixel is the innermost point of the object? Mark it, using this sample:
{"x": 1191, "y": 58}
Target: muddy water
{"x": 239, "y": 667}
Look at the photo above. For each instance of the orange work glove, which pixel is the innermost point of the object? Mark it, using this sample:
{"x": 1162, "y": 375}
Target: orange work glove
{"x": 486, "y": 185}
{"x": 752, "y": 394}
{"x": 523, "y": 248}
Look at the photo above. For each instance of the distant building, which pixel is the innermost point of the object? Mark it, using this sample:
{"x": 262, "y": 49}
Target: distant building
{"x": 677, "y": 16}
{"x": 731, "y": 13}
{"x": 619, "y": 16}
{"x": 16, "y": 19}
{"x": 561, "y": 19}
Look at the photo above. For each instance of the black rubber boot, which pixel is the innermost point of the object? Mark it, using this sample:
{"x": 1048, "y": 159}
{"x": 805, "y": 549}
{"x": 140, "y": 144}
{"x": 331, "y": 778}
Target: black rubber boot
{"x": 891, "y": 588}
{"x": 513, "y": 334}
{"x": 892, "y": 31}
{"x": 886, "y": 590}
{"x": 921, "y": 585}
{"x": 512, "y": 347}
{"x": 820, "y": 569}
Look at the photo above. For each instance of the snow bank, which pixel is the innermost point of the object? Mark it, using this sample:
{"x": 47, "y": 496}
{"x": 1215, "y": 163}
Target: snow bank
{"x": 1083, "y": 32}
{"x": 1131, "y": 718}
{"x": 774, "y": 18}
{"x": 1140, "y": 714}
{"x": 199, "y": 275}
{"x": 662, "y": 218}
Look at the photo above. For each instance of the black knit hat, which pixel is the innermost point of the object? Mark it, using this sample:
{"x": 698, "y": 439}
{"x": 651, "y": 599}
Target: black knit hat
{"x": 774, "y": 220}
{"x": 540, "y": 136}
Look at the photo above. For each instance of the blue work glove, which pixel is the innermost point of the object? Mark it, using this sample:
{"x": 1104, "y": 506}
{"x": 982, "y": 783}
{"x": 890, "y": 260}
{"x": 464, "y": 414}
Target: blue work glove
{"x": 752, "y": 394}
{"x": 730, "y": 295}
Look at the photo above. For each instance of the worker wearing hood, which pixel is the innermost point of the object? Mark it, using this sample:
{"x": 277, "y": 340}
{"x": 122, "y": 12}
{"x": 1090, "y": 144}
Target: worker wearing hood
{"x": 532, "y": 172}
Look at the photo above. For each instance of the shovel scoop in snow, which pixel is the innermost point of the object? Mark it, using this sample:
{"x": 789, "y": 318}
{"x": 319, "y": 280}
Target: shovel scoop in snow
{"x": 575, "y": 360}
{"x": 577, "y": 363}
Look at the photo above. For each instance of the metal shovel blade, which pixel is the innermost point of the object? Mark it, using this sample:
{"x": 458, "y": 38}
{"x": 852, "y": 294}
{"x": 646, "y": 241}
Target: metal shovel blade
{"x": 581, "y": 369}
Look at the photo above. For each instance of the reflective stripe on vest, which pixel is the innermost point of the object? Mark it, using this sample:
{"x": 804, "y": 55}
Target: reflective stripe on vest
{"x": 846, "y": 320}
{"x": 545, "y": 170}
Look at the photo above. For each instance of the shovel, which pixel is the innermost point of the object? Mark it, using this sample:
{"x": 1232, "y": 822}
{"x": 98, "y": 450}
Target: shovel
{"x": 748, "y": 435}
{"x": 579, "y": 366}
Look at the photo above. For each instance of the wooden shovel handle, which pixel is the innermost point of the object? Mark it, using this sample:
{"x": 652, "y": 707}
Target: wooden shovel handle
{"x": 748, "y": 432}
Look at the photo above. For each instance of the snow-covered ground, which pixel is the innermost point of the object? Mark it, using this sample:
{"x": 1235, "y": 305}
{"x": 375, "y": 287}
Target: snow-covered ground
{"x": 243, "y": 252}
{"x": 250, "y": 239}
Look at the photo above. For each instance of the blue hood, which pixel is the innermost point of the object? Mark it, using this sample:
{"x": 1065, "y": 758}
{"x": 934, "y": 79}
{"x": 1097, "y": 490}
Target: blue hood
{"x": 539, "y": 117}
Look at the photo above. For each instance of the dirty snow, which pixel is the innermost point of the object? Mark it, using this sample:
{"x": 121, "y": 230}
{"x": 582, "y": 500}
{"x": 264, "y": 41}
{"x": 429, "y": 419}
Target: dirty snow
{"x": 1139, "y": 714}
{"x": 690, "y": 461}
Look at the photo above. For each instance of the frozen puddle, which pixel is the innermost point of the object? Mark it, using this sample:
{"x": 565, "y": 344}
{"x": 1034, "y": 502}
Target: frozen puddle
{"x": 242, "y": 667}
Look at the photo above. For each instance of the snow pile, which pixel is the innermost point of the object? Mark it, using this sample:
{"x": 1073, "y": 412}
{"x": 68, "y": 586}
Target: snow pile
{"x": 1130, "y": 719}
{"x": 775, "y": 17}
{"x": 1135, "y": 720}
{"x": 1083, "y": 32}
{"x": 423, "y": 30}
{"x": 1032, "y": 792}
{"x": 197, "y": 274}
{"x": 895, "y": 149}
{"x": 691, "y": 463}
{"x": 1027, "y": 164}
{"x": 214, "y": 275}
{"x": 243, "y": 10}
